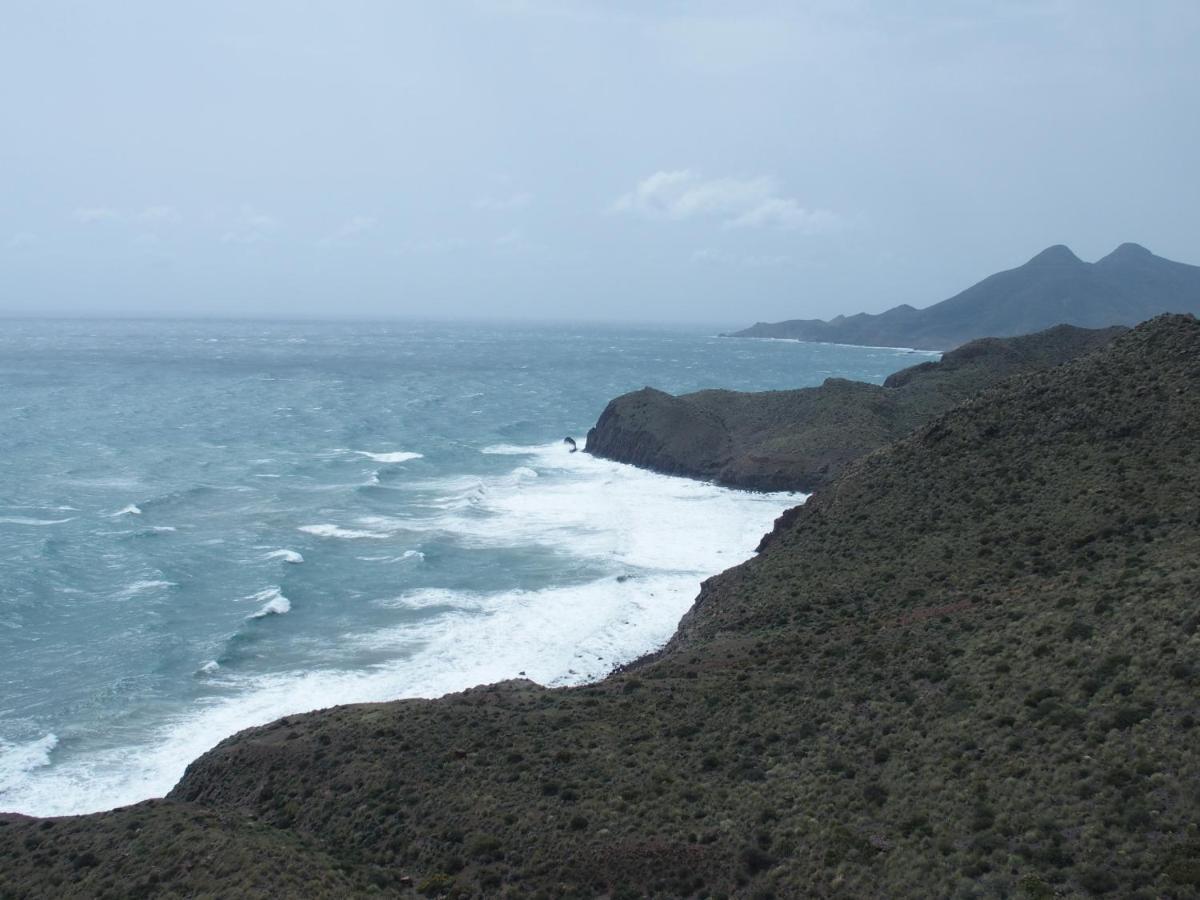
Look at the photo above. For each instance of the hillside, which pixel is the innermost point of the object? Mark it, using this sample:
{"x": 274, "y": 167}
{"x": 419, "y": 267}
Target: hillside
{"x": 967, "y": 667}
{"x": 1129, "y": 285}
{"x": 799, "y": 439}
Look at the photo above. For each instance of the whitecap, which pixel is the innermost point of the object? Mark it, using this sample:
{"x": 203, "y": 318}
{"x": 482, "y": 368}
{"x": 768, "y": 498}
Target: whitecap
{"x": 509, "y": 450}
{"x": 141, "y": 587}
{"x": 670, "y": 533}
{"x": 393, "y": 457}
{"x": 18, "y": 760}
{"x": 403, "y": 557}
{"x": 22, "y": 520}
{"x": 336, "y": 531}
{"x": 273, "y": 603}
{"x": 288, "y": 556}
{"x": 130, "y": 510}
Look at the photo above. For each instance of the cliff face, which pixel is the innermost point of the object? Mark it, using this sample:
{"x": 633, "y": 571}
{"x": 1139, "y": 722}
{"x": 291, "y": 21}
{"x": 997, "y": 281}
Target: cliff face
{"x": 1127, "y": 286}
{"x": 969, "y": 666}
{"x": 800, "y": 439}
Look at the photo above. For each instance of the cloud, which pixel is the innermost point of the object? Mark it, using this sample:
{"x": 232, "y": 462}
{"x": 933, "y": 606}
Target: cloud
{"x": 518, "y": 200}
{"x": 736, "y": 202}
{"x": 251, "y": 226}
{"x": 430, "y": 246}
{"x": 159, "y": 215}
{"x": 349, "y": 230}
{"x": 91, "y": 215}
{"x": 20, "y": 240}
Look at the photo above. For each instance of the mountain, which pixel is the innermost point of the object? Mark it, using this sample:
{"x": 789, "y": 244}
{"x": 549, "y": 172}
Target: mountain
{"x": 968, "y": 667}
{"x": 1128, "y": 286}
{"x": 799, "y": 439}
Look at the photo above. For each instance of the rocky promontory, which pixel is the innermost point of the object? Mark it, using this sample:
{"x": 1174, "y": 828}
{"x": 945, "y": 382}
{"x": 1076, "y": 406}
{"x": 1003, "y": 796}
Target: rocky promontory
{"x": 799, "y": 439}
{"x": 969, "y": 666}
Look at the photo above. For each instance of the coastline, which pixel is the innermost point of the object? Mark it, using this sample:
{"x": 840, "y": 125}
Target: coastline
{"x": 830, "y": 716}
{"x": 754, "y": 337}
{"x": 599, "y": 624}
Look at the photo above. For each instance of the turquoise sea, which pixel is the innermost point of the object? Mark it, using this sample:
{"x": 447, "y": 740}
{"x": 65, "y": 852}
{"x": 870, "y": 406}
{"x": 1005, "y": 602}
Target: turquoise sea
{"x": 207, "y": 525}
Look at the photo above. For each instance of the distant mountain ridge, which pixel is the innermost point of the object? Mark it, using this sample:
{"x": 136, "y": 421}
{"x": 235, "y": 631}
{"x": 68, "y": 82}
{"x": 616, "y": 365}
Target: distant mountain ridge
{"x": 1129, "y": 285}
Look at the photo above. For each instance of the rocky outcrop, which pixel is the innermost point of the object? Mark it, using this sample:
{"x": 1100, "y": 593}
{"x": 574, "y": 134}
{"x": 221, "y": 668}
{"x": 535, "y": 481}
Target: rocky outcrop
{"x": 969, "y": 666}
{"x": 1129, "y": 285}
{"x": 800, "y": 439}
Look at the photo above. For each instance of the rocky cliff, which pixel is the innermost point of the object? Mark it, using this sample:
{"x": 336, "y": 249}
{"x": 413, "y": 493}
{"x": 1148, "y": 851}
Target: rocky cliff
{"x": 969, "y": 666}
{"x": 800, "y": 439}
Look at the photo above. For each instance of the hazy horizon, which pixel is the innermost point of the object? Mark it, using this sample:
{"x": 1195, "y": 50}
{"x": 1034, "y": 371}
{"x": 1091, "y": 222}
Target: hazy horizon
{"x": 702, "y": 164}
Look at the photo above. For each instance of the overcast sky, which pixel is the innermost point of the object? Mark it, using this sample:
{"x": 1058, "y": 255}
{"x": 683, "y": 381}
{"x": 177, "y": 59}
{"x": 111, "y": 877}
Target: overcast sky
{"x": 719, "y": 162}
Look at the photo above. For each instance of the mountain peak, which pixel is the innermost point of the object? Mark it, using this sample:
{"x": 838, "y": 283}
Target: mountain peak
{"x": 1128, "y": 252}
{"x": 1057, "y": 255}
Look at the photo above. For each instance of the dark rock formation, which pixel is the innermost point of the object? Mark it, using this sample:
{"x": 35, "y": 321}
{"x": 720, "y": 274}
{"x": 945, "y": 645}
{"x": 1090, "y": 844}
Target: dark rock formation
{"x": 970, "y": 666}
{"x": 1129, "y": 285}
{"x": 797, "y": 440}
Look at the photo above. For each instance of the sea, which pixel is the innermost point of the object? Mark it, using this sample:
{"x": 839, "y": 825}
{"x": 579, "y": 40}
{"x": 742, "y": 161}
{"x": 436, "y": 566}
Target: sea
{"x": 206, "y": 525}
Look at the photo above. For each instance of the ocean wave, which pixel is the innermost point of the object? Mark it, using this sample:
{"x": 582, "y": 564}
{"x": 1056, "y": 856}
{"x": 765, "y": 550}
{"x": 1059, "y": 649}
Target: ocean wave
{"x": 606, "y": 518}
{"x": 22, "y": 520}
{"x": 398, "y": 456}
{"x": 406, "y": 556}
{"x": 273, "y": 603}
{"x": 18, "y": 760}
{"x": 140, "y": 587}
{"x": 288, "y": 556}
{"x": 329, "y": 530}
{"x": 511, "y": 449}
{"x": 131, "y": 510}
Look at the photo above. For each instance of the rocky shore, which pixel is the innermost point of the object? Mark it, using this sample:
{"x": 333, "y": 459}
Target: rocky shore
{"x": 969, "y": 666}
{"x": 800, "y": 439}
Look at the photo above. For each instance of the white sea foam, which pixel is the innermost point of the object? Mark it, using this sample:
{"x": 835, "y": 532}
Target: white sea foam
{"x": 288, "y": 556}
{"x": 273, "y": 603}
{"x": 406, "y": 556}
{"x": 394, "y": 457}
{"x": 142, "y": 587}
{"x": 336, "y": 531}
{"x": 17, "y": 761}
{"x": 22, "y": 520}
{"x": 510, "y": 449}
{"x": 130, "y": 510}
{"x": 209, "y": 667}
{"x": 670, "y": 533}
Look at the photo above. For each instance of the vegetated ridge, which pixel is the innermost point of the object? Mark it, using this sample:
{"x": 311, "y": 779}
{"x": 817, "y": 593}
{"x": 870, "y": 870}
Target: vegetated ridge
{"x": 968, "y": 667}
{"x": 1129, "y": 285}
{"x": 799, "y": 439}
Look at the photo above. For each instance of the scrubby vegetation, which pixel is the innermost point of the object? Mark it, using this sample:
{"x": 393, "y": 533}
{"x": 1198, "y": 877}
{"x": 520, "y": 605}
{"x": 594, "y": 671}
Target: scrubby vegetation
{"x": 969, "y": 667}
{"x": 801, "y": 439}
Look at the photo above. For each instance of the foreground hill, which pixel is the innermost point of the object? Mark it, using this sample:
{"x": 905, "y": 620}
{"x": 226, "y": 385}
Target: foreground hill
{"x": 1129, "y": 285}
{"x": 968, "y": 667}
{"x": 799, "y": 439}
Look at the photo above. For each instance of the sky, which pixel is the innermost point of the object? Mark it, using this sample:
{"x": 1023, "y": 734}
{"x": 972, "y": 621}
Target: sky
{"x": 723, "y": 162}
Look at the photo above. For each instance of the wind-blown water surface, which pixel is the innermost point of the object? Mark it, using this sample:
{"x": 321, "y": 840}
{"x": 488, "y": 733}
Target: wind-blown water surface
{"x": 204, "y": 526}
